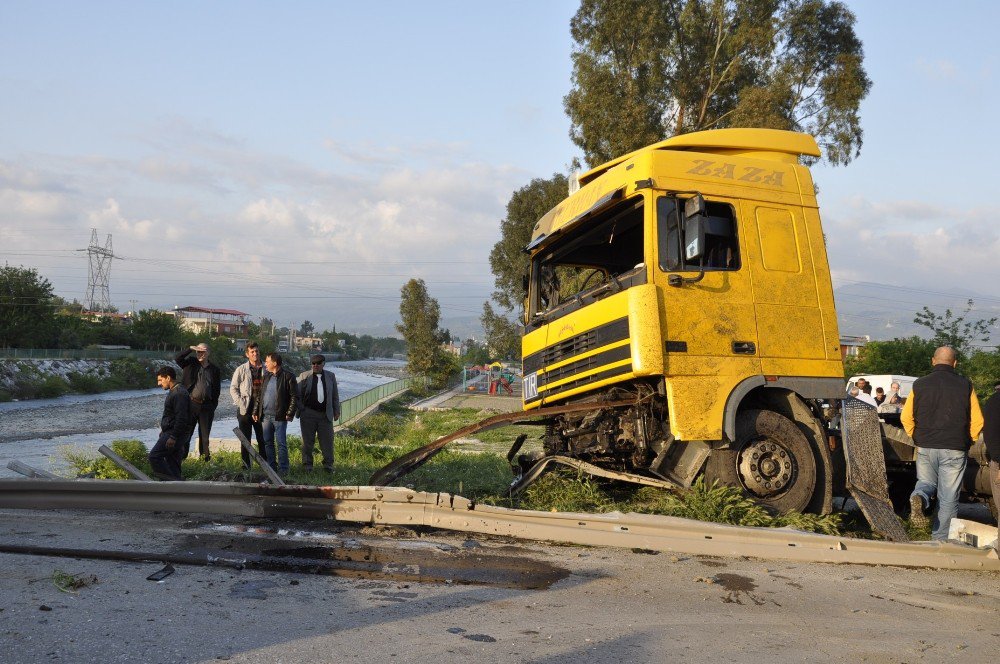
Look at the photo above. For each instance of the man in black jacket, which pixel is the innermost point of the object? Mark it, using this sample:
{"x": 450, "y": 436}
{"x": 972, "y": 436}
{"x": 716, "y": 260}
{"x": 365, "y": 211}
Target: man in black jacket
{"x": 203, "y": 381}
{"x": 275, "y": 409}
{"x": 991, "y": 436}
{"x": 165, "y": 456}
{"x": 319, "y": 408}
{"x": 943, "y": 417}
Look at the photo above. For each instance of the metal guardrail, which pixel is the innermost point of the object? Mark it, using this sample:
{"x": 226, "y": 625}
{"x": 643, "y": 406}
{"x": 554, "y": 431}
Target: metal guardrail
{"x": 81, "y": 354}
{"x": 398, "y": 506}
{"x": 351, "y": 408}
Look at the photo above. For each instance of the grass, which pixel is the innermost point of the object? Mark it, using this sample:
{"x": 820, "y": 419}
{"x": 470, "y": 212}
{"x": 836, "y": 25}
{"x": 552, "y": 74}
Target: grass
{"x": 478, "y": 469}
{"x": 71, "y": 583}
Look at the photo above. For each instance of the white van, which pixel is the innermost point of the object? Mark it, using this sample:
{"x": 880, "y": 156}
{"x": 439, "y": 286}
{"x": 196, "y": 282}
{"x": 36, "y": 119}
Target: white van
{"x": 884, "y": 381}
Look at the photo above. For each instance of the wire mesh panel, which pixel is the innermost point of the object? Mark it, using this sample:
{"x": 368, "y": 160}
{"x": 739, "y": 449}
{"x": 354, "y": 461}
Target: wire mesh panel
{"x": 866, "y": 475}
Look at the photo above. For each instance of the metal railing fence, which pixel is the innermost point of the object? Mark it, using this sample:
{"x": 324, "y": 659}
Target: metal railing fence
{"x": 81, "y": 354}
{"x": 351, "y": 408}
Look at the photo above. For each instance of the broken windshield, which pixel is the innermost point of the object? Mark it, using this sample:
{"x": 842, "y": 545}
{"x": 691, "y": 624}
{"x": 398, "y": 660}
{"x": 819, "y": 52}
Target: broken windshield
{"x": 595, "y": 261}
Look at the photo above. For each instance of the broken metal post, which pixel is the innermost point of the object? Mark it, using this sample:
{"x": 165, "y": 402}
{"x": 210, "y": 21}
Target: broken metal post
{"x": 123, "y": 464}
{"x": 25, "y": 469}
{"x": 248, "y": 446}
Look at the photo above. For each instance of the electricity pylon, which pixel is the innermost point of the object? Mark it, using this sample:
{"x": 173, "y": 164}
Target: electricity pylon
{"x": 98, "y": 296}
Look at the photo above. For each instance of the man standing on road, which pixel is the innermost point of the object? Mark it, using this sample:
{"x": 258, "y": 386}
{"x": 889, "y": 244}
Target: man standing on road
{"x": 203, "y": 381}
{"x": 991, "y": 436}
{"x": 942, "y": 416}
{"x": 319, "y": 408}
{"x": 165, "y": 456}
{"x": 245, "y": 391}
{"x": 276, "y": 408}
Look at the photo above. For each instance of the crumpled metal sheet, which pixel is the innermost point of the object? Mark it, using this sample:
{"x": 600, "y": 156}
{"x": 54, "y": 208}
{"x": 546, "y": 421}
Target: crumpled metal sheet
{"x": 866, "y": 477}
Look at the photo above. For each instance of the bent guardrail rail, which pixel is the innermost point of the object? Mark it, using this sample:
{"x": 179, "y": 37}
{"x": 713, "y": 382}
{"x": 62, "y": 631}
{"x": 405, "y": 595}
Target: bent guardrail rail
{"x": 405, "y": 507}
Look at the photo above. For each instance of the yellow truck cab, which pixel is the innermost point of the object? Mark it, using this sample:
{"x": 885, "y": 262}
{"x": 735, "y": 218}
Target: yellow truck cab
{"x": 691, "y": 278}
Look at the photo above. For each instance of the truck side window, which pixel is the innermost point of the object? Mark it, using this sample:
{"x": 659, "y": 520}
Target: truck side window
{"x": 721, "y": 246}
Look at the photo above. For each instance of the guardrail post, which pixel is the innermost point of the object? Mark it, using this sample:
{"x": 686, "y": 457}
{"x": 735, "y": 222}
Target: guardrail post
{"x": 123, "y": 464}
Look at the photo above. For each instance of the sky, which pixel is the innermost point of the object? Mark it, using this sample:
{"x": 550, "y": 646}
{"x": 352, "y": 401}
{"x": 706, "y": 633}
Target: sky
{"x": 303, "y": 161}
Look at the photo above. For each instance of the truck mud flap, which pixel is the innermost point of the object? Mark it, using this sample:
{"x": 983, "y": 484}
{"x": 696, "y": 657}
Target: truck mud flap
{"x": 866, "y": 476}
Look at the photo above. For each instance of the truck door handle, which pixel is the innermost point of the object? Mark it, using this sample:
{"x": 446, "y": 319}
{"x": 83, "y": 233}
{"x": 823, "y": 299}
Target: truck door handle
{"x": 744, "y": 348}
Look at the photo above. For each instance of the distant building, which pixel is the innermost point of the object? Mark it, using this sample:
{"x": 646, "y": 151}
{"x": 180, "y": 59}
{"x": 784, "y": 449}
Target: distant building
{"x": 849, "y": 346}
{"x": 308, "y": 343}
{"x": 95, "y": 316}
{"x": 202, "y": 320}
{"x": 453, "y": 348}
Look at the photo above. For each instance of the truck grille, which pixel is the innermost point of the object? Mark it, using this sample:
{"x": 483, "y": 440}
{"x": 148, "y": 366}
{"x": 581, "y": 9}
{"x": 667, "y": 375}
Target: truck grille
{"x": 584, "y": 342}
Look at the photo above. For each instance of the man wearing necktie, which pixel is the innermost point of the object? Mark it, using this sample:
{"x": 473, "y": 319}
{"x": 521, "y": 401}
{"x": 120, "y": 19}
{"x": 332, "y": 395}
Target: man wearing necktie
{"x": 319, "y": 408}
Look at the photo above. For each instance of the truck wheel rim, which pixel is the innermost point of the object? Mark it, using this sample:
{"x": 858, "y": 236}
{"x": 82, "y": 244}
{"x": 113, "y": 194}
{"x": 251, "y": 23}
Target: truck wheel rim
{"x": 766, "y": 467}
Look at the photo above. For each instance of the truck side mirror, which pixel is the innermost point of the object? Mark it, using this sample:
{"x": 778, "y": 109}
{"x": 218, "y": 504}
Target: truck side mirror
{"x": 694, "y": 237}
{"x": 694, "y": 206}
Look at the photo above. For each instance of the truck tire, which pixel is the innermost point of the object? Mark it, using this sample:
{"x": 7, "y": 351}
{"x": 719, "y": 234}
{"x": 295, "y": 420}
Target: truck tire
{"x": 771, "y": 461}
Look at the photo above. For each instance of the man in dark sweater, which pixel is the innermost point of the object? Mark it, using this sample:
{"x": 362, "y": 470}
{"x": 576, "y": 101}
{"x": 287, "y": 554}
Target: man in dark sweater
{"x": 943, "y": 417}
{"x": 165, "y": 456}
{"x": 991, "y": 436}
{"x": 203, "y": 381}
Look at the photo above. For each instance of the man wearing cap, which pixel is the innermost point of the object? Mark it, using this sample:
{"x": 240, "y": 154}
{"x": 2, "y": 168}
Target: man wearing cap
{"x": 319, "y": 408}
{"x": 203, "y": 381}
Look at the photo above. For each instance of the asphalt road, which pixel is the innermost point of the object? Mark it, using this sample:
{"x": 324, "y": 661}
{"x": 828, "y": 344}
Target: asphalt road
{"x": 605, "y": 605}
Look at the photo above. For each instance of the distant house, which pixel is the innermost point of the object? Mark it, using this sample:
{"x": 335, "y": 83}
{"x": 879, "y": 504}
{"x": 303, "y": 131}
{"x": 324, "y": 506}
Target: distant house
{"x": 308, "y": 343}
{"x": 453, "y": 348}
{"x": 202, "y": 320}
{"x": 849, "y": 346}
{"x": 95, "y": 316}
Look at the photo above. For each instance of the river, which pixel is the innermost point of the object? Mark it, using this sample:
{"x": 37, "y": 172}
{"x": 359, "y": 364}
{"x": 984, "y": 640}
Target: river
{"x": 37, "y": 432}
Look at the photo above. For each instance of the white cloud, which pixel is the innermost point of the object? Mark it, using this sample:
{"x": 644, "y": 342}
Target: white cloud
{"x": 270, "y": 234}
{"x": 938, "y": 70}
{"x": 913, "y": 243}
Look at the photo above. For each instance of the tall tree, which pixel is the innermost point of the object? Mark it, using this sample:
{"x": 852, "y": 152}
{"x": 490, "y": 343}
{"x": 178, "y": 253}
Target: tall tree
{"x": 306, "y": 329}
{"x": 154, "y": 329}
{"x": 907, "y": 357}
{"x": 503, "y": 336}
{"x": 959, "y": 332}
{"x": 644, "y": 70}
{"x": 27, "y": 311}
{"x": 509, "y": 263}
{"x": 420, "y": 314}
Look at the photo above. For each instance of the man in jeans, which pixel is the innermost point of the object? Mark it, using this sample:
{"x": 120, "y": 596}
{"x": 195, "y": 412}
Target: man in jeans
{"x": 245, "y": 391}
{"x": 942, "y": 416}
{"x": 203, "y": 381}
{"x": 991, "y": 436}
{"x": 319, "y": 407}
{"x": 275, "y": 409}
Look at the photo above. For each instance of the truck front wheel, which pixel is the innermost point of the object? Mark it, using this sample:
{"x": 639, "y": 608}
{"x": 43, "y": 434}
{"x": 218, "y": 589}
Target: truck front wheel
{"x": 771, "y": 461}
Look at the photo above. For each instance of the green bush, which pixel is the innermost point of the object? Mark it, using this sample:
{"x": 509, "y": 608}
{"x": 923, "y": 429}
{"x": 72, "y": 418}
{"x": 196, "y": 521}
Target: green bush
{"x": 127, "y": 372}
{"x": 5, "y": 395}
{"x": 103, "y": 468}
{"x": 52, "y": 387}
{"x": 85, "y": 383}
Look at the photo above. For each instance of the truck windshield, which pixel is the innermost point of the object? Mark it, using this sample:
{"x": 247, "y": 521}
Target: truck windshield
{"x": 601, "y": 258}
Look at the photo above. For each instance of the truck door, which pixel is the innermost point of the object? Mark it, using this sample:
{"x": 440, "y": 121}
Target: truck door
{"x": 785, "y": 297}
{"x": 708, "y": 323}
